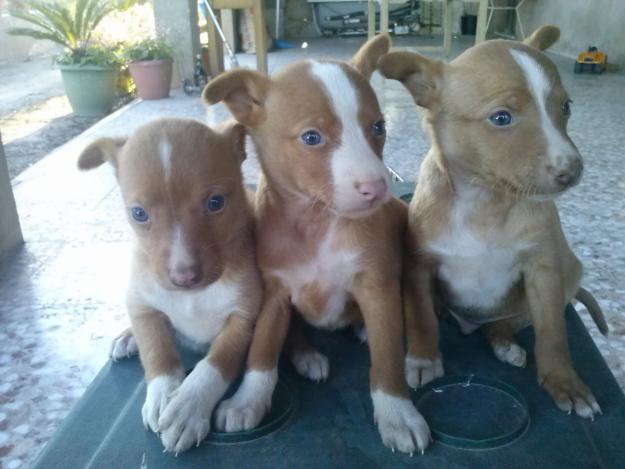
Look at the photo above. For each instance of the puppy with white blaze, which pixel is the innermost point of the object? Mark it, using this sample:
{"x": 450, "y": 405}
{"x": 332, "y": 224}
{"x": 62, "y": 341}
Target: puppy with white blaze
{"x": 194, "y": 270}
{"x": 329, "y": 234}
{"x": 484, "y": 232}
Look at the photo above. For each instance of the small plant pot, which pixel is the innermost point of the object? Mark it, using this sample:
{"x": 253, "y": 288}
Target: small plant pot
{"x": 91, "y": 90}
{"x": 152, "y": 78}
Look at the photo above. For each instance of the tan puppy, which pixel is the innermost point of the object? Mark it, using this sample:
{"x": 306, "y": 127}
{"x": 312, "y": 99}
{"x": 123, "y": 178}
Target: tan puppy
{"x": 328, "y": 231}
{"x": 482, "y": 221}
{"x": 193, "y": 270}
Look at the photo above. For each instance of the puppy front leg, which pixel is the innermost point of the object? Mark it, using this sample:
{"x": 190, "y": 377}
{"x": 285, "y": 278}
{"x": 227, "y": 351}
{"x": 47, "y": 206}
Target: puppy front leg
{"x": 160, "y": 360}
{"x": 187, "y": 417}
{"x": 252, "y": 400}
{"x": 423, "y": 360}
{"x": 400, "y": 425}
{"x": 545, "y": 295}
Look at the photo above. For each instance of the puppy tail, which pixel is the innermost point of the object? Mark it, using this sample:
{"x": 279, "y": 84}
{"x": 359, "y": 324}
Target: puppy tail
{"x": 586, "y": 298}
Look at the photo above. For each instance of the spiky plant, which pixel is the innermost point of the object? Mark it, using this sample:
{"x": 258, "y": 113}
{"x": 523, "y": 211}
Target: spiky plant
{"x": 71, "y": 27}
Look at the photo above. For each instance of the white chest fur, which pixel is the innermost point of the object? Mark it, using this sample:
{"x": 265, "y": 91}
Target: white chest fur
{"x": 478, "y": 267}
{"x": 199, "y": 315}
{"x": 332, "y": 269}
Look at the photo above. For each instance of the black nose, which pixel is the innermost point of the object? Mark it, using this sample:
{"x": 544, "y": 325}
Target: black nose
{"x": 564, "y": 178}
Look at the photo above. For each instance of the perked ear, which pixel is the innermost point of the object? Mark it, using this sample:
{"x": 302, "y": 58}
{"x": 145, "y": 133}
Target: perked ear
{"x": 236, "y": 134}
{"x": 367, "y": 57}
{"x": 544, "y": 37}
{"x": 99, "y": 151}
{"x": 243, "y": 92}
{"x": 420, "y": 75}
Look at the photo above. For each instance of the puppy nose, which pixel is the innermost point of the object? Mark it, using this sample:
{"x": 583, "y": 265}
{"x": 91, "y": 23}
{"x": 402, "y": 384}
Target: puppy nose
{"x": 570, "y": 175}
{"x": 372, "y": 190}
{"x": 186, "y": 276}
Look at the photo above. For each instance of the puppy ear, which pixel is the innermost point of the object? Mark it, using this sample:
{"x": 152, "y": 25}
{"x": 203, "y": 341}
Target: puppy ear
{"x": 236, "y": 135}
{"x": 544, "y": 37}
{"x": 99, "y": 151}
{"x": 243, "y": 92}
{"x": 420, "y": 75}
{"x": 367, "y": 57}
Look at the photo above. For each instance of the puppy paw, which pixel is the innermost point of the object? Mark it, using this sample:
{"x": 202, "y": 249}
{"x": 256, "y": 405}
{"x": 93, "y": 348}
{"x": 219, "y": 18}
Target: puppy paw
{"x": 360, "y": 331}
{"x": 186, "y": 419}
{"x": 570, "y": 393}
{"x": 251, "y": 402}
{"x": 511, "y": 353}
{"x": 158, "y": 393}
{"x": 400, "y": 424}
{"x": 123, "y": 346}
{"x": 312, "y": 365}
{"x": 420, "y": 371}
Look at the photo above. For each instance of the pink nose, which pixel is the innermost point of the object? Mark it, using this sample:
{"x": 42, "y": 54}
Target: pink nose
{"x": 185, "y": 276}
{"x": 372, "y": 190}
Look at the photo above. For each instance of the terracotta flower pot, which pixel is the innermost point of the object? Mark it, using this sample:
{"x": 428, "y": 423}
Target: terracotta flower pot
{"x": 152, "y": 77}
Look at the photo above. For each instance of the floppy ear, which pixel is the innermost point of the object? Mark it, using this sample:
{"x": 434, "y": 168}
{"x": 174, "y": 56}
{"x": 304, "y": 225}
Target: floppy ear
{"x": 99, "y": 151}
{"x": 368, "y": 55}
{"x": 235, "y": 133}
{"x": 420, "y": 75}
{"x": 243, "y": 92}
{"x": 544, "y": 37}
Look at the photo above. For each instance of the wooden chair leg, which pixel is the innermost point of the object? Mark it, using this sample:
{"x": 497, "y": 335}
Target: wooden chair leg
{"x": 260, "y": 36}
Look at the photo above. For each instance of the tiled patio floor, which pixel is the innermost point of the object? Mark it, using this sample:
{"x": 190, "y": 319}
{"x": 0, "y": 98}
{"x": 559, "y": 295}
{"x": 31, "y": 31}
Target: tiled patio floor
{"x": 61, "y": 295}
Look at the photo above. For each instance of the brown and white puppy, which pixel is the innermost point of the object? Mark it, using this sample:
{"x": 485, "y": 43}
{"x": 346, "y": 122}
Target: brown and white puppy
{"x": 329, "y": 233}
{"x": 194, "y": 269}
{"x": 483, "y": 225}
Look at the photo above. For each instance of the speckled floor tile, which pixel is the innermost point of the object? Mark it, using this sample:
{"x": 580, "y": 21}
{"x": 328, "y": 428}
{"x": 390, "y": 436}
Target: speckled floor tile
{"x": 62, "y": 294}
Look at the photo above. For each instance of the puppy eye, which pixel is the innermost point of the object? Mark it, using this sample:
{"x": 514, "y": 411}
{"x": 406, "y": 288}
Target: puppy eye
{"x": 501, "y": 118}
{"x": 215, "y": 203}
{"x": 566, "y": 107}
{"x": 139, "y": 214}
{"x": 379, "y": 128}
{"x": 311, "y": 138}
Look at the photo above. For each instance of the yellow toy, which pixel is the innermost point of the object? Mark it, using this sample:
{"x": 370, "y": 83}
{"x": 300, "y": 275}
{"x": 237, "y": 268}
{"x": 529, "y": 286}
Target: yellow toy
{"x": 593, "y": 60}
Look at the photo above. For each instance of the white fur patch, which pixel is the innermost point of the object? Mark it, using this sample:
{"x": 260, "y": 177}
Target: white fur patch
{"x": 479, "y": 271}
{"x": 179, "y": 256}
{"x": 199, "y": 315}
{"x": 400, "y": 423}
{"x": 158, "y": 393}
{"x": 354, "y": 161}
{"x": 312, "y": 365}
{"x": 251, "y": 402}
{"x": 186, "y": 419}
{"x": 540, "y": 87}
{"x": 333, "y": 269}
{"x": 164, "y": 152}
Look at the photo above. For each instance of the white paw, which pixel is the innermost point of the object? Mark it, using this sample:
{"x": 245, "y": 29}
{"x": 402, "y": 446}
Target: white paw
{"x": 123, "y": 346}
{"x": 361, "y": 332}
{"x": 251, "y": 402}
{"x": 158, "y": 393}
{"x": 312, "y": 365}
{"x": 186, "y": 419}
{"x": 400, "y": 424}
{"x": 420, "y": 371}
{"x": 510, "y": 353}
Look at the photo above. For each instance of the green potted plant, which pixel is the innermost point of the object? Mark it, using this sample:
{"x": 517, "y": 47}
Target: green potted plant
{"x": 150, "y": 65}
{"x": 89, "y": 71}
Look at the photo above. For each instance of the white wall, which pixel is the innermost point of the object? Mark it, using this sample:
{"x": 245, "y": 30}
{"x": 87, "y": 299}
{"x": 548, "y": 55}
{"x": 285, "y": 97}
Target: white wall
{"x": 582, "y": 23}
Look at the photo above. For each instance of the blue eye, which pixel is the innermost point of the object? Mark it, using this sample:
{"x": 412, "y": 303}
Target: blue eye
{"x": 215, "y": 203}
{"x": 311, "y": 138}
{"x": 566, "y": 107}
{"x": 501, "y": 118}
{"x": 139, "y": 214}
{"x": 379, "y": 129}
